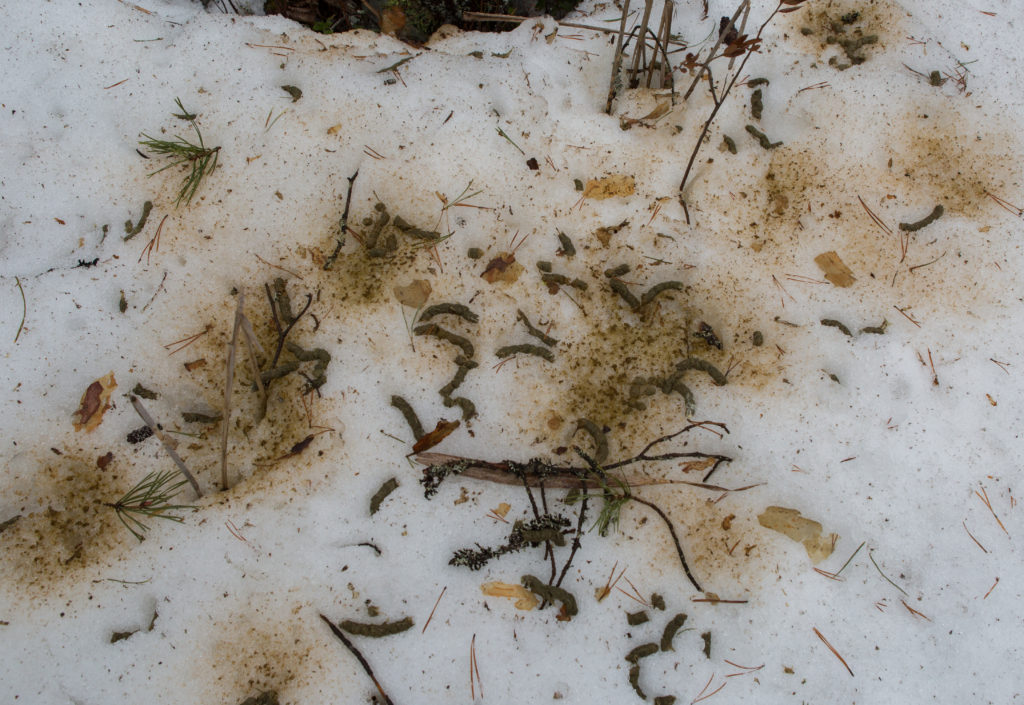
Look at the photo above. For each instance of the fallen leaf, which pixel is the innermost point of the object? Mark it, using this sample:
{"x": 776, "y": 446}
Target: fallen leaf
{"x": 610, "y": 186}
{"x": 195, "y": 364}
{"x": 800, "y": 529}
{"x": 95, "y": 402}
{"x": 698, "y": 465}
{"x": 525, "y": 600}
{"x": 835, "y": 269}
{"x": 432, "y": 438}
{"x": 502, "y": 268}
{"x": 334, "y": 129}
{"x": 502, "y": 509}
{"x": 414, "y": 294}
{"x": 661, "y": 110}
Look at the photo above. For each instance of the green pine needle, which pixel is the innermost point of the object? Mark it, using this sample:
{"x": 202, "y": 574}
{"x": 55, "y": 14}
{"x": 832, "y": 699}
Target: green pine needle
{"x": 150, "y": 499}
{"x": 198, "y": 159}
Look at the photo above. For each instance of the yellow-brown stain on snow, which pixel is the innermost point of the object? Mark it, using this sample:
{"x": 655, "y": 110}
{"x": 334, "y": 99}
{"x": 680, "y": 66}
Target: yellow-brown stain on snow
{"x": 66, "y": 534}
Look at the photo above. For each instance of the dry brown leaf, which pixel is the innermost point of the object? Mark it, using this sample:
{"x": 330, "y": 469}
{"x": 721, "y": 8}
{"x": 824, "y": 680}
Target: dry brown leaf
{"x": 432, "y": 438}
{"x": 502, "y": 268}
{"x": 800, "y": 529}
{"x": 661, "y": 110}
{"x": 835, "y": 269}
{"x": 604, "y": 235}
{"x": 95, "y": 402}
{"x": 502, "y": 509}
{"x": 525, "y": 600}
{"x": 610, "y": 186}
{"x": 414, "y": 294}
{"x": 334, "y": 129}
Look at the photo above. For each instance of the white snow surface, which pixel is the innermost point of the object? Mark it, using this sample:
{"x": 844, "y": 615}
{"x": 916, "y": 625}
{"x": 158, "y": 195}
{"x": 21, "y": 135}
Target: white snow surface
{"x": 892, "y": 441}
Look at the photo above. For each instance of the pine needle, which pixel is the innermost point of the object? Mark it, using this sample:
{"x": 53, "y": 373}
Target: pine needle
{"x": 199, "y": 159}
{"x": 150, "y": 499}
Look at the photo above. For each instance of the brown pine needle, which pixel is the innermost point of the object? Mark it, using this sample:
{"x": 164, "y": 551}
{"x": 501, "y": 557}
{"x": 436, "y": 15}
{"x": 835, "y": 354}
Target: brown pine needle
{"x": 718, "y": 601}
{"x": 24, "y": 309}
{"x": 830, "y": 576}
{"x": 783, "y": 290}
{"x": 186, "y": 341}
{"x": 1006, "y": 205}
{"x": 991, "y": 589}
{"x": 974, "y": 539}
{"x": 474, "y": 671}
{"x": 914, "y": 612}
{"x": 636, "y": 592}
{"x": 634, "y": 599}
{"x": 154, "y": 244}
{"x": 833, "y": 650}
{"x": 745, "y": 668}
{"x": 702, "y": 696}
{"x": 434, "y": 610}
{"x": 987, "y": 503}
{"x": 874, "y": 218}
{"x": 1002, "y": 365}
{"x": 907, "y": 316}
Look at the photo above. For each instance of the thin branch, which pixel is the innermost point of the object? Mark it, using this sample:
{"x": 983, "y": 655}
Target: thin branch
{"x": 359, "y": 657}
{"x": 675, "y": 539}
{"x": 148, "y": 420}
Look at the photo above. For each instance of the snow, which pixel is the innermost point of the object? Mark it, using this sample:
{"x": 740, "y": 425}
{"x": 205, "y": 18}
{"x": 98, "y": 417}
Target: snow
{"x": 884, "y": 456}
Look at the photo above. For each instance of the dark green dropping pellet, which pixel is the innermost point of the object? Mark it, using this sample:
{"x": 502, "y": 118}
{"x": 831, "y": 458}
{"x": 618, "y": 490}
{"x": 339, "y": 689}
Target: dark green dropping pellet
{"x": 376, "y": 630}
{"x": 637, "y": 618}
{"x": 658, "y": 602}
{"x": 474, "y": 253}
{"x": 832, "y": 323}
{"x": 757, "y": 338}
{"x": 673, "y": 626}
{"x": 642, "y": 651}
{"x": 730, "y": 143}
{"x": 927, "y": 220}
{"x": 380, "y": 495}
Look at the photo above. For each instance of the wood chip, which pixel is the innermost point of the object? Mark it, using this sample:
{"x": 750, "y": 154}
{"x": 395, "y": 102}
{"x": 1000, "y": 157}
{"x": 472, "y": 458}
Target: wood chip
{"x": 835, "y": 269}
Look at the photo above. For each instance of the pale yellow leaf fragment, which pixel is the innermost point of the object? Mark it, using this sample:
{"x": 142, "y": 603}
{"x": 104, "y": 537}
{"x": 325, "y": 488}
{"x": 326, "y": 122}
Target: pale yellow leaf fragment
{"x": 800, "y": 529}
{"x": 835, "y": 269}
{"x": 610, "y": 186}
{"x": 525, "y": 600}
{"x": 334, "y": 129}
{"x": 502, "y": 509}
